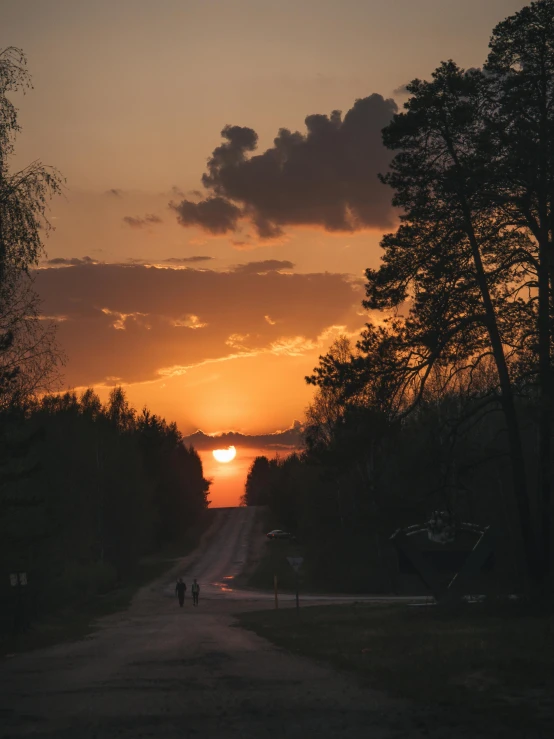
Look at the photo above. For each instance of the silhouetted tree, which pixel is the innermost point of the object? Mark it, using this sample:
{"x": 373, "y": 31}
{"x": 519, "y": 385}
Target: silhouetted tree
{"x": 28, "y": 355}
{"x": 452, "y": 254}
{"x": 179, "y": 488}
{"x": 465, "y": 288}
{"x": 119, "y": 412}
{"x": 519, "y": 144}
{"x": 256, "y": 491}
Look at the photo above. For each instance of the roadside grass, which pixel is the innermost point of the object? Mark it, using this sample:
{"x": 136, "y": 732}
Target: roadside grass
{"x": 78, "y": 620}
{"x": 492, "y": 663}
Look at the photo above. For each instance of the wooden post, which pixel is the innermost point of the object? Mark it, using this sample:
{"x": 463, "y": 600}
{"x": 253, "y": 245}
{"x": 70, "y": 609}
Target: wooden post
{"x": 276, "y": 594}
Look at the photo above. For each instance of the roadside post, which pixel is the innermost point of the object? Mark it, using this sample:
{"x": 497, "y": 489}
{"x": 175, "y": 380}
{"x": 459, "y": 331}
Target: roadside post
{"x": 275, "y": 589}
{"x": 296, "y": 564}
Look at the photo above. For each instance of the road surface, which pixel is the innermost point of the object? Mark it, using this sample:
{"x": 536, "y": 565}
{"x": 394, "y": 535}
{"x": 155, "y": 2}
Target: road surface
{"x": 159, "y": 671}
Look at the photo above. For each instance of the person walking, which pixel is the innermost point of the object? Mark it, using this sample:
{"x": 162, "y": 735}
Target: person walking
{"x": 180, "y": 590}
{"x": 195, "y": 592}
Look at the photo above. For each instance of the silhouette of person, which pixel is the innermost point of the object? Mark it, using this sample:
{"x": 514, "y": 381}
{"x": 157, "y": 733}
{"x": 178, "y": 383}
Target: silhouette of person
{"x": 180, "y": 590}
{"x": 195, "y": 592}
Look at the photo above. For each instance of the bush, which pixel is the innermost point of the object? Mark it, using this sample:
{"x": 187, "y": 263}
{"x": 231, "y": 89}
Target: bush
{"x": 80, "y": 582}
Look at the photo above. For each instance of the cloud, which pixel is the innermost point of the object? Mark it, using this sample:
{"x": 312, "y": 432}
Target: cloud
{"x": 187, "y": 260}
{"x": 56, "y": 319}
{"x": 70, "y": 261}
{"x": 326, "y": 177}
{"x": 138, "y": 222}
{"x": 174, "y": 262}
{"x": 287, "y": 440}
{"x": 177, "y": 192}
{"x": 141, "y": 323}
{"x": 267, "y": 265}
{"x": 216, "y": 215}
{"x": 190, "y": 321}
{"x": 119, "y": 320}
{"x": 402, "y": 90}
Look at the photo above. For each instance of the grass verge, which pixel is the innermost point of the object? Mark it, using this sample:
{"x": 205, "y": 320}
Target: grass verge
{"x": 492, "y": 664}
{"x": 78, "y": 620}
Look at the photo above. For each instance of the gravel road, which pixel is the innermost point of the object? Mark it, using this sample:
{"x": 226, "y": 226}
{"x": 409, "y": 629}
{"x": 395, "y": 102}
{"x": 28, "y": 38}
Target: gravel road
{"x": 157, "y": 670}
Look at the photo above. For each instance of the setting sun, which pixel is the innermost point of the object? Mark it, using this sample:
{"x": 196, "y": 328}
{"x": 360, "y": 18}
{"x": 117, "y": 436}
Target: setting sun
{"x": 225, "y": 455}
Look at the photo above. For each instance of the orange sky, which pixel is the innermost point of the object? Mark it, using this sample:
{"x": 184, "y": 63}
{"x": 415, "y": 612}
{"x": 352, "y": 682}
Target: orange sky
{"x": 212, "y": 315}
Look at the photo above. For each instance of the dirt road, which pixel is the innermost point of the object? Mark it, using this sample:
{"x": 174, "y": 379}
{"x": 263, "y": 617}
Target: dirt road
{"x": 160, "y": 671}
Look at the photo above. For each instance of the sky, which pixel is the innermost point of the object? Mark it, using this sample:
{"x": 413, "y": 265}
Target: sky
{"x": 221, "y": 200}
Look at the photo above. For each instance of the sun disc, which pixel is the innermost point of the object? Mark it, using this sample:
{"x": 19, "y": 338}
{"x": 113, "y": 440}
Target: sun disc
{"x": 225, "y": 455}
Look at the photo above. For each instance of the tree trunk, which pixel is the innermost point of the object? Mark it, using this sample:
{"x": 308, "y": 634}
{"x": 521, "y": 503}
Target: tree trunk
{"x": 545, "y": 381}
{"x": 508, "y": 403}
{"x": 545, "y": 412}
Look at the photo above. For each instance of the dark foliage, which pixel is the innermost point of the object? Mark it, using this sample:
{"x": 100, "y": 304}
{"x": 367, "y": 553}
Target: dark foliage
{"x": 257, "y": 483}
{"x": 87, "y": 489}
{"x": 447, "y": 399}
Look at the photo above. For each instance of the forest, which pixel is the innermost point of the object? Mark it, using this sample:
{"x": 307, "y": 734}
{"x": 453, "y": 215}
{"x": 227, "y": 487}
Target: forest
{"x": 87, "y": 490}
{"x": 444, "y": 403}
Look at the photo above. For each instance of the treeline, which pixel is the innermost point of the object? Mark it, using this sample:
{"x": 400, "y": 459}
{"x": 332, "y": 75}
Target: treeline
{"x": 446, "y": 401}
{"x": 87, "y": 490}
{"x": 363, "y": 475}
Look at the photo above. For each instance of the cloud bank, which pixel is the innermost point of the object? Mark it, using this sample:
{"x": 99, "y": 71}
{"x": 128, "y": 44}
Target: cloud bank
{"x": 70, "y": 262}
{"x": 266, "y": 265}
{"x": 149, "y": 219}
{"x": 286, "y": 441}
{"x": 187, "y": 260}
{"x": 132, "y": 323}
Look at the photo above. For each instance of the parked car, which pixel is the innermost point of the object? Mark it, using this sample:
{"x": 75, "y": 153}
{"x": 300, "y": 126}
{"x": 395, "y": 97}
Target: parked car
{"x": 278, "y": 534}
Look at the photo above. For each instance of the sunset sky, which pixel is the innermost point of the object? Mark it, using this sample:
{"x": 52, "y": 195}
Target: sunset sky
{"x": 218, "y": 214}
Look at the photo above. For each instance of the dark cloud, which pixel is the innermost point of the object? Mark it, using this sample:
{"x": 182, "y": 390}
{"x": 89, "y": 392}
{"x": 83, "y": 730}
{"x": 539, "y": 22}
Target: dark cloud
{"x": 402, "y": 90}
{"x": 287, "y": 440}
{"x": 187, "y": 260}
{"x": 115, "y": 192}
{"x": 177, "y": 192}
{"x": 130, "y": 261}
{"x": 267, "y": 265}
{"x": 216, "y": 215}
{"x": 138, "y": 222}
{"x": 70, "y": 262}
{"x": 326, "y": 177}
{"x": 133, "y": 321}
{"x": 133, "y": 222}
